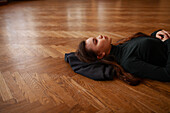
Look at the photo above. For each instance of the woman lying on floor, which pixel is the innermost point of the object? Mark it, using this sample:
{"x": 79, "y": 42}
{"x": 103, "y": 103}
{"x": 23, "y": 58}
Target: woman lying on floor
{"x": 133, "y": 58}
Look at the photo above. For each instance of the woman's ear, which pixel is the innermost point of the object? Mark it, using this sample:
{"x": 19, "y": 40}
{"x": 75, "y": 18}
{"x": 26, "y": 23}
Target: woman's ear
{"x": 101, "y": 55}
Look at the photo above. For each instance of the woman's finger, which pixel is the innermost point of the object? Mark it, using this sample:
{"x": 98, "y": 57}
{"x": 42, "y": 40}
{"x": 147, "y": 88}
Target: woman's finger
{"x": 159, "y": 36}
{"x": 163, "y": 33}
{"x": 167, "y": 33}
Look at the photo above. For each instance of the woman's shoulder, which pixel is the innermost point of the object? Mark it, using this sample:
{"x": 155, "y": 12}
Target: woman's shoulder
{"x": 142, "y": 42}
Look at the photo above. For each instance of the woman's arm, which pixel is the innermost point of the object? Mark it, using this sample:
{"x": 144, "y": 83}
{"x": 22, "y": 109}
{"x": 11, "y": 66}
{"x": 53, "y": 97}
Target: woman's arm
{"x": 143, "y": 69}
{"x": 95, "y": 70}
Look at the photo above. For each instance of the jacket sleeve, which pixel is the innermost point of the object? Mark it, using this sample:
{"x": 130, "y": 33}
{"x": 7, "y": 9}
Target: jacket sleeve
{"x": 154, "y": 33}
{"x": 143, "y": 69}
{"x": 95, "y": 70}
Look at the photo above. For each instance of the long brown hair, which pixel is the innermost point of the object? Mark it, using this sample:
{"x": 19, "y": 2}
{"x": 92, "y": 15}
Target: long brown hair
{"x": 90, "y": 56}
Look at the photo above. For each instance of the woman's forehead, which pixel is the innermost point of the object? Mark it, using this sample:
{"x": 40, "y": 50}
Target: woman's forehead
{"x": 89, "y": 40}
{"x": 89, "y": 43}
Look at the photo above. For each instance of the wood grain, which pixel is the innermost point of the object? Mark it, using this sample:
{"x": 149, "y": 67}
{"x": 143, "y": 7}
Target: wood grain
{"x": 35, "y": 35}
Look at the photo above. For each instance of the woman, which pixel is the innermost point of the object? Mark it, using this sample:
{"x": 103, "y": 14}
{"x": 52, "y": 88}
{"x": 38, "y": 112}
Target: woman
{"x": 139, "y": 56}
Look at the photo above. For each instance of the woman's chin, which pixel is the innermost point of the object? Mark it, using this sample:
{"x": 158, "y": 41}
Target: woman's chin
{"x": 110, "y": 40}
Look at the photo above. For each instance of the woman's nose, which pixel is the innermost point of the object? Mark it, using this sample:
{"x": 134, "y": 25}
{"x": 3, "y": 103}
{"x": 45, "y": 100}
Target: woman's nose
{"x": 100, "y": 37}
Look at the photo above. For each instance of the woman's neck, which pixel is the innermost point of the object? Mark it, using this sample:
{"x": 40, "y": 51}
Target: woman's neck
{"x": 109, "y": 49}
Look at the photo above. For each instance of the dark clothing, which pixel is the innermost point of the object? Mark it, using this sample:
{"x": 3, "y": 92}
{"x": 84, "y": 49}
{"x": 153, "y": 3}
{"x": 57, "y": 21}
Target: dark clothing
{"x": 95, "y": 70}
{"x": 143, "y": 57}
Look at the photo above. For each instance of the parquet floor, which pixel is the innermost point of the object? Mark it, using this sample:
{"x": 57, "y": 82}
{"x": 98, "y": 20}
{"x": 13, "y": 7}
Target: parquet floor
{"x": 35, "y": 35}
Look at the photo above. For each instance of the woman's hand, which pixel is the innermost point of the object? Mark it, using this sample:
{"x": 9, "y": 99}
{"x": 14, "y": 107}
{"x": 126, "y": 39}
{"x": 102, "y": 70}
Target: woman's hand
{"x": 163, "y": 35}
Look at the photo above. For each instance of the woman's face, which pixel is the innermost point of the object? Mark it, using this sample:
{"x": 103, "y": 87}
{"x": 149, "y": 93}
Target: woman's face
{"x": 100, "y": 44}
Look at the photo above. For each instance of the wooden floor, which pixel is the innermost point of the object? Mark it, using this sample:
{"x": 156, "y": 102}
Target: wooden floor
{"x": 35, "y": 35}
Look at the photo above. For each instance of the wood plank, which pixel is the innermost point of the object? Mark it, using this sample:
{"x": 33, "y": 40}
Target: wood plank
{"x": 15, "y": 91}
{"x": 28, "y": 94}
{"x": 4, "y": 89}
